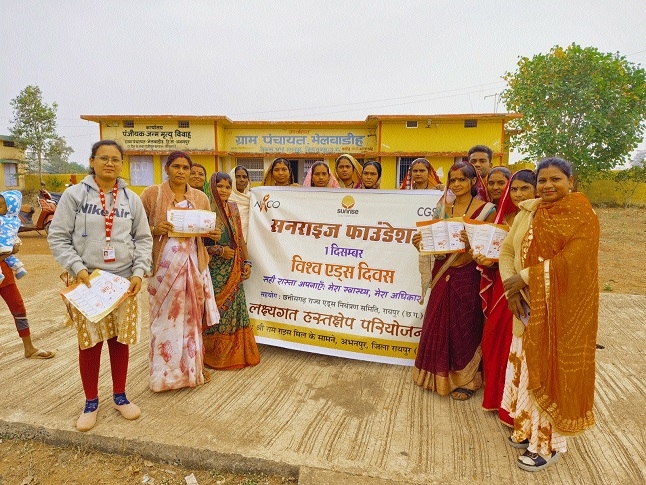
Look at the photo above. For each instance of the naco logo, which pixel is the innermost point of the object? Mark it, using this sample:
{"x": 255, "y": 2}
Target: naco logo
{"x": 266, "y": 203}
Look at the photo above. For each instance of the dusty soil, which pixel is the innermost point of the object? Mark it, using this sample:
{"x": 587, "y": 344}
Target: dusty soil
{"x": 622, "y": 263}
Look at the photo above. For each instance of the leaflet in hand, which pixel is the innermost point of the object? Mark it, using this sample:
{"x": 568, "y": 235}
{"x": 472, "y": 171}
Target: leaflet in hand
{"x": 485, "y": 238}
{"x": 441, "y": 236}
{"x": 191, "y": 222}
{"x": 106, "y": 293}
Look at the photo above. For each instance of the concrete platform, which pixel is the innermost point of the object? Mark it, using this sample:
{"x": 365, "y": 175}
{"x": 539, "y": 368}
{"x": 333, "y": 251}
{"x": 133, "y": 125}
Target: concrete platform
{"x": 323, "y": 419}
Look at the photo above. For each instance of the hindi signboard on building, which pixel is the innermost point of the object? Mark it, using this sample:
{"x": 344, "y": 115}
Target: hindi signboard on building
{"x": 335, "y": 271}
{"x": 303, "y": 141}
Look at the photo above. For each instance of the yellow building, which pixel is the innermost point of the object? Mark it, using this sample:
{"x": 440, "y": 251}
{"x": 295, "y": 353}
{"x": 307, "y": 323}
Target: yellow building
{"x": 10, "y": 164}
{"x": 220, "y": 144}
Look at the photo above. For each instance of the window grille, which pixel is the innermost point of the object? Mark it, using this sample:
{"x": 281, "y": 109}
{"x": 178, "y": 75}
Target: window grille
{"x": 255, "y": 167}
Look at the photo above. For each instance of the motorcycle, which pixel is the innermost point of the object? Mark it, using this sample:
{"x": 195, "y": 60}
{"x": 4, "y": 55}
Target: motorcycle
{"x": 47, "y": 203}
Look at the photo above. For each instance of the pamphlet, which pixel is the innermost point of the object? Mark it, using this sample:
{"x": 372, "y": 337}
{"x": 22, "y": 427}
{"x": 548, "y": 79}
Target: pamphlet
{"x": 441, "y": 236}
{"x": 485, "y": 238}
{"x": 191, "y": 222}
{"x": 107, "y": 292}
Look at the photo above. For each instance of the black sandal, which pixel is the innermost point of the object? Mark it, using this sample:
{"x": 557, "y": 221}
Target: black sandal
{"x": 533, "y": 462}
{"x": 466, "y": 394}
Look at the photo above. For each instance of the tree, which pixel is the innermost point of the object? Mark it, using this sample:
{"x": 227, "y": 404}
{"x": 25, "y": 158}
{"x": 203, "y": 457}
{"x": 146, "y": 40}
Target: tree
{"x": 33, "y": 126}
{"x": 57, "y": 158}
{"x": 629, "y": 180}
{"x": 580, "y": 104}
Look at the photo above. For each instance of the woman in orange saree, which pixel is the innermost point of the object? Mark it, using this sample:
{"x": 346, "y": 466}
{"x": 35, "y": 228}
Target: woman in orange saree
{"x": 549, "y": 385}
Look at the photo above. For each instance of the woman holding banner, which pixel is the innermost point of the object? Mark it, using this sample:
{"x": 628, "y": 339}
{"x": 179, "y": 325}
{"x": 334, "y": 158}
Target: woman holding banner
{"x": 181, "y": 293}
{"x": 348, "y": 171}
{"x": 279, "y": 174}
{"x": 448, "y": 356}
{"x": 229, "y": 344}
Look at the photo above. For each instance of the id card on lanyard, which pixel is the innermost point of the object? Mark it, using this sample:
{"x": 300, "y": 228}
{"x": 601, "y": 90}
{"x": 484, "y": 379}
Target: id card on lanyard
{"x": 109, "y": 254}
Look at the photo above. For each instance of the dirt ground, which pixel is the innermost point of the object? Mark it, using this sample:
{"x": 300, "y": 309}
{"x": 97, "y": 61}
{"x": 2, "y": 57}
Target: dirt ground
{"x": 621, "y": 270}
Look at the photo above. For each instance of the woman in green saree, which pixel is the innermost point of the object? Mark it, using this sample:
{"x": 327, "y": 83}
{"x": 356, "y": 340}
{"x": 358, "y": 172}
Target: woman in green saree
{"x": 229, "y": 344}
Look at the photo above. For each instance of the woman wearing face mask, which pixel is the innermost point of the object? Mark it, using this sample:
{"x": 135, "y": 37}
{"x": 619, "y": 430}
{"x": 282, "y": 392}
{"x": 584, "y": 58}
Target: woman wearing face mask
{"x": 371, "y": 175}
{"x": 230, "y": 344}
{"x": 549, "y": 267}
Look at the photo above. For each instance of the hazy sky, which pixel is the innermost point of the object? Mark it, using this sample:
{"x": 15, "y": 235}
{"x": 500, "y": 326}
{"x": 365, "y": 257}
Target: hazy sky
{"x": 294, "y": 60}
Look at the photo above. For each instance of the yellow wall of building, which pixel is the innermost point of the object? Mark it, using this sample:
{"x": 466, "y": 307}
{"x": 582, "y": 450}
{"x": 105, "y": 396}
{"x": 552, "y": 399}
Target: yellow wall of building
{"x": 218, "y": 143}
{"x": 439, "y": 136}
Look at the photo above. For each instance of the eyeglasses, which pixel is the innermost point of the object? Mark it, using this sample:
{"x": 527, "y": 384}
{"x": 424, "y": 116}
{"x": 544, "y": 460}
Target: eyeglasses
{"x": 114, "y": 160}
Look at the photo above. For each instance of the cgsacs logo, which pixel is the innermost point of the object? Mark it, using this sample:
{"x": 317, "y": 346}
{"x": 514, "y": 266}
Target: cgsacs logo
{"x": 266, "y": 203}
{"x": 347, "y": 204}
{"x": 426, "y": 211}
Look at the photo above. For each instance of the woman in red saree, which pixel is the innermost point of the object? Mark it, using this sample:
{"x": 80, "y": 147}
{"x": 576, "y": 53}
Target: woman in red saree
{"x": 497, "y": 332}
{"x": 549, "y": 267}
{"x": 448, "y": 356}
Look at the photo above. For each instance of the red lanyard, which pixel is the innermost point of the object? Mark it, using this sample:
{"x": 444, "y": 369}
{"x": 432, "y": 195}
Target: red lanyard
{"x": 109, "y": 218}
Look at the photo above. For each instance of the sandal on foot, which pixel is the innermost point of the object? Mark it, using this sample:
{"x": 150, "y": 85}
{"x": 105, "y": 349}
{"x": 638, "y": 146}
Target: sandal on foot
{"x": 129, "y": 411}
{"x": 533, "y": 462}
{"x": 86, "y": 421}
{"x": 41, "y": 354}
{"x": 521, "y": 445}
{"x": 462, "y": 394}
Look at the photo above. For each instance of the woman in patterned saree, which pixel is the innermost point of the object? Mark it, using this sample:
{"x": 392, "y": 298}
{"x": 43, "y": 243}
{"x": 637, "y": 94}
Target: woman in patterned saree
{"x": 497, "y": 332}
{"x": 549, "y": 265}
{"x": 181, "y": 294}
{"x": 448, "y": 356}
{"x": 230, "y": 344}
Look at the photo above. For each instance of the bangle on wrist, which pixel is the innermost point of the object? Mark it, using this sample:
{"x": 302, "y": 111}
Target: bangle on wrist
{"x": 218, "y": 250}
{"x": 247, "y": 262}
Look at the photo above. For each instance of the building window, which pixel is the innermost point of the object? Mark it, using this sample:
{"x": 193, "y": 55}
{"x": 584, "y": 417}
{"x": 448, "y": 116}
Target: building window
{"x": 11, "y": 174}
{"x": 470, "y": 123}
{"x": 183, "y": 124}
{"x": 255, "y": 167}
{"x": 8, "y": 143}
{"x": 460, "y": 159}
{"x": 141, "y": 170}
{"x": 402, "y": 168}
{"x": 411, "y": 124}
{"x": 128, "y": 124}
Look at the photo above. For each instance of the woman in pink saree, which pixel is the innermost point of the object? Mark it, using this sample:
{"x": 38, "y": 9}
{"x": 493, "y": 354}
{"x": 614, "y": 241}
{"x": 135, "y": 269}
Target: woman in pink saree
{"x": 181, "y": 293}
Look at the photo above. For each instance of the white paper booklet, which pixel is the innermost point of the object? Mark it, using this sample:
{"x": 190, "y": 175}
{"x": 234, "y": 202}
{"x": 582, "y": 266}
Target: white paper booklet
{"x": 106, "y": 293}
{"x": 485, "y": 238}
{"x": 441, "y": 236}
{"x": 191, "y": 222}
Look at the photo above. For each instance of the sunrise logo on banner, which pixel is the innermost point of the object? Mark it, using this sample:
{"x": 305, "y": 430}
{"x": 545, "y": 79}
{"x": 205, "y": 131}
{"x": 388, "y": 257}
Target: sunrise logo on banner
{"x": 335, "y": 273}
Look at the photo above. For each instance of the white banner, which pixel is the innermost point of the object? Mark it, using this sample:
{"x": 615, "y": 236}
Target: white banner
{"x": 335, "y": 271}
